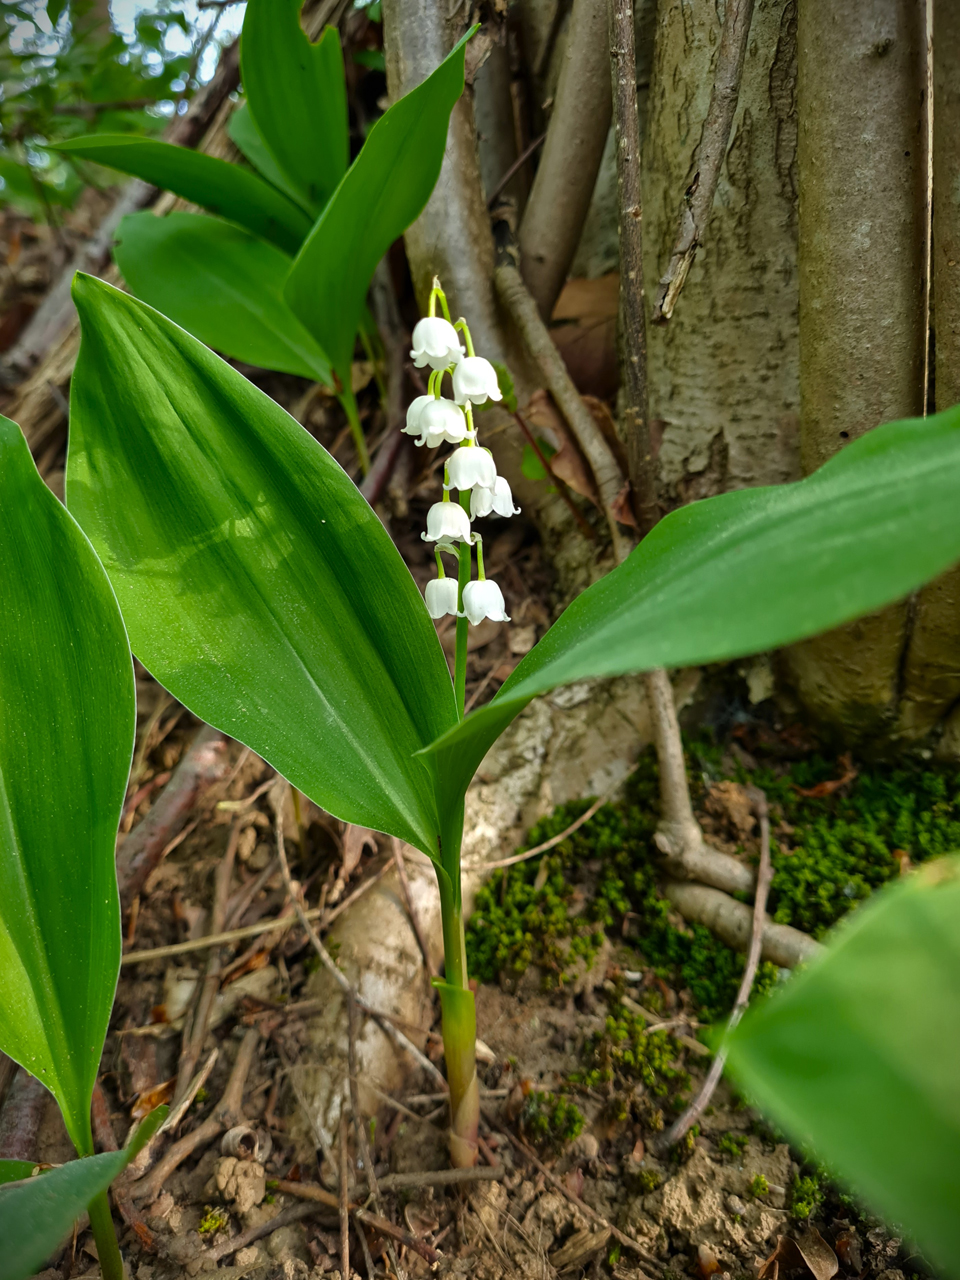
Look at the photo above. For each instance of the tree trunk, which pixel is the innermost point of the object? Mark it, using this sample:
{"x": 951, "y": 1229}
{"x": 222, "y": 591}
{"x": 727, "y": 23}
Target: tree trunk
{"x": 931, "y": 677}
{"x": 862, "y": 316}
{"x": 723, "y": 372}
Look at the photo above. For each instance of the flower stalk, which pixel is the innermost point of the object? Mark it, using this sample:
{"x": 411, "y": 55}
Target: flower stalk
{"x": 470, "y": 471}
{"x": 105, "y": 1236}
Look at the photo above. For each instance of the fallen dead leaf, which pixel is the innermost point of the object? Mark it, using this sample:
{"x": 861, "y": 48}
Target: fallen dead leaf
{"x": 580, "y": 1246}
{"x": 809, "y": 1250}
{"x": 355, "y": 840}
{"x": 145, "y": 1102}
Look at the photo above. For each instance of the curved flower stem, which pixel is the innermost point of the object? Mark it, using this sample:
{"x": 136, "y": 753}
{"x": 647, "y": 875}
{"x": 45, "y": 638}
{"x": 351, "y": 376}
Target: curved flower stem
{"x": 460, "y": 665}
{"x": 105, "y": 1235}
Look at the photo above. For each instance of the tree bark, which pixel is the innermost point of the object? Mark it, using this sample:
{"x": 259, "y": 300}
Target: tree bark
{"x": 723, "y": 374}
{"x": 862, "y": 315}
{"x": 931, "y": 670}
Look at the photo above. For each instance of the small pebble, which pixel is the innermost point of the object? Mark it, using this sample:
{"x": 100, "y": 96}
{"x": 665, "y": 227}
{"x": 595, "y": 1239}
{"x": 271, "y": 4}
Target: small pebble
{"x": 735, "y": 1204}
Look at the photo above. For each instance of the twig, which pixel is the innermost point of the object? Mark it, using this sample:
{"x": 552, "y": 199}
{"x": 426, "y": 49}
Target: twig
{"x": 325, "y": 915}
{"x": 343, "y": 1203}
{"x": 192, "y": 1045}
{"x": 517, "y": 165}
{"x": 562, "y": 488}
{"x": 585, "y": 1209}
{"x": 709, "y": 156}
{"x": 186, "y": 1102}
{"x": 634, "y": 416}
{"x": 387, "y": 1228}
{"x": 568, "y": 831}
{"x": 441, "y": 1177}
{"x": 226, "y": 1114}
{"x": 411, "y": 909}
{"x": 385, "y": 1025}
{"x": 143, "y": 849}
{"x": 295, "y": 1213}
{"x": 764, "y": 875}
{"x": 519, "y": 303}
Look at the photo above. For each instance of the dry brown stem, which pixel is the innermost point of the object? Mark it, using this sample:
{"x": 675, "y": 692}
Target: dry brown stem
{"x": 553, "y": 219}
{"x": 295, "y": 1213}
{"x": 709, "y": 156}
{"x": 441, "y": 1177}
{"x": 342, "y": 1201}
{"x": 764, "y": 875}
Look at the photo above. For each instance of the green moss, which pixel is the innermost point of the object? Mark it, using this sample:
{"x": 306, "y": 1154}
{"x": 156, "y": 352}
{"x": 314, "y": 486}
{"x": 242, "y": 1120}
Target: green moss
{"x": 806, "y": 1196}
{"x": 647, "y": 1180}
{"x": 213, "y": 1220}
{"x": 626, "y": 1054}
{"x": 759, "y": 1185}
{"x": 550, "y": 1118}
{"x": 733, "y": 1144}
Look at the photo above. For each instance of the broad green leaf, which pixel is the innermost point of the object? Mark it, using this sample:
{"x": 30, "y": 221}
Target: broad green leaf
{"x": 858, "y": 1057}
{"x": 220, "y": 283}
{"x": 16, "y": 1170}
{"x": 229, "y": 190}
{"x": 245, "y": 136}
{"x": 384, "y": 190}
{"x": 37, "y": 1214}
{"x": 748, "y": 571}
{"x": 256, "y": 583}
{"x": 297, "y": 96}
{"x": 66, "y": 739}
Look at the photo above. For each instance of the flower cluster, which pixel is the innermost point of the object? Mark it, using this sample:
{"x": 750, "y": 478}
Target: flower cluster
{"x": 470, "y": 469}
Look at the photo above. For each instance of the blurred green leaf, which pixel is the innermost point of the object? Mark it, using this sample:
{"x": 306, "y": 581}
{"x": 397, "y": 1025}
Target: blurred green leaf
{"x": 372, "y": 59}
{"x": 256, "y": 582}
{"x": 226, "y": 189}
{"x": 384, "y": 190}
{"x": 66, "y": 738}
{"x": 16, "y": 1170}
{"x": 530, "y": 464}
{"x": 297, "y": 95}
{"x": 858, "y": 1057}
{"x": 220, "y": 283}
{"x": 245, "y": 136}
{"x": 38, "y": 1213}
{"x": 748, "y": 571}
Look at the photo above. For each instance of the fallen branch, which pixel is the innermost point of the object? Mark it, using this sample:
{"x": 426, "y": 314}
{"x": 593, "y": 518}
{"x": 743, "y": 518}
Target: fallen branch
{"x": 343, "y": 1205}
{"x": 709, "y": 156}
{"x": 295, "y": 1213}
{"x": 764, "y": 875}
{"x": 142, "y": 851}
{"x": 732, "y": 922}
{"x": 387, "y": 1228}
{"x": 226, "y": 1115}
{"x": 522, "y": 309}
{"x": 441, "y": 1177}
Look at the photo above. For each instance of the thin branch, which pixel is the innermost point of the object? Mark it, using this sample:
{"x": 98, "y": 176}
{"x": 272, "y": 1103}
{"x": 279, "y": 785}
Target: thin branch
{"x": 635, "y": 414}
{"x": 709, "y": 156}
{"x": 517, "y": 165}
{"x": 343, "y": 1203}
{"x": 411, "y": 909}
{"x": 295, "y": 1213}
{"x": 441, "y": 1177}
{"x": 522, "y": 309}
{"x": 764, "y": 876}
{"x": 562, "y": 487}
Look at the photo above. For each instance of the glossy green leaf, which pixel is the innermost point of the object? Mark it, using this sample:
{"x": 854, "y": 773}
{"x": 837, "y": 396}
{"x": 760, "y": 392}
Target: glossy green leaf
{"x": 37, "y": 1214}
{"x": 16, "y": 1170}
{"x": 858, "y": 1057}
{"x": 229, "y": 190}
{"x": 220, "y": 283}
{"x": 384, "y": 190}
{"x": 297, "y": 95}
{"x": 748, "y": 571}
{"x": 256, "y": 582}
{"x": 66, "y": 739}
{"x": 245, "y": 136}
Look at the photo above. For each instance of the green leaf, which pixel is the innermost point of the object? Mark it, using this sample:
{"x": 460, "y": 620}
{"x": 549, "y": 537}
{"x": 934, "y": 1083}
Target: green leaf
{"x": 748, "y": 571}
{"x": 297, "y": 95}
{"x": 229, "y": 190}
{"x": 220, "y": 283}
{"x": 384, "y": 190}
{"x": 245, "y": 136}
{"x": 858, "y": 1057}
{"x": 38, "y": 1213}
{"x": 256, "y": 582}
{"x": 15, "y": 1170}
{"x": 66, "y": 740}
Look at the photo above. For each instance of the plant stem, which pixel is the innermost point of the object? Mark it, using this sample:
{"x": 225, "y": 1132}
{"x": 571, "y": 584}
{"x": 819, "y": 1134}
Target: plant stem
{"x": 459, "y": 1031}
{"x": 105, "y": 1235}
{"x": 349, "y": 402}
{"x": 463, "y": 577}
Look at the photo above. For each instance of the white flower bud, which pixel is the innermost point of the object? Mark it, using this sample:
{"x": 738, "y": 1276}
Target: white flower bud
{"x": 483, "y": 600}
{"x": 447, "y": 520}
{"x": 470, "y": 467}
{"x": 497, "y": 501}
{"x": 435, "y": 343}
{"x": 441, "y": 597}
{"x": 441, "y": 421}
{"x": 475, "y": 379}
{"x": 413, "y": 427}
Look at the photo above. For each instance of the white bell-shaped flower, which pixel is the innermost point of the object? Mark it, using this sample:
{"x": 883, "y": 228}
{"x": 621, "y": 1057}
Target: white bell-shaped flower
{"x": 435, "y": 342}
{"x": 441, "y": 597}
{"x": 447, "y": 520}
{"x": 483, "y": 600}
{"x": 475, "y": 379}
{"x": 413, "y": 427}
{"x": 442, "y": 422}
{"x": 495, "y": 501}
{"x": 468, "y": 468}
